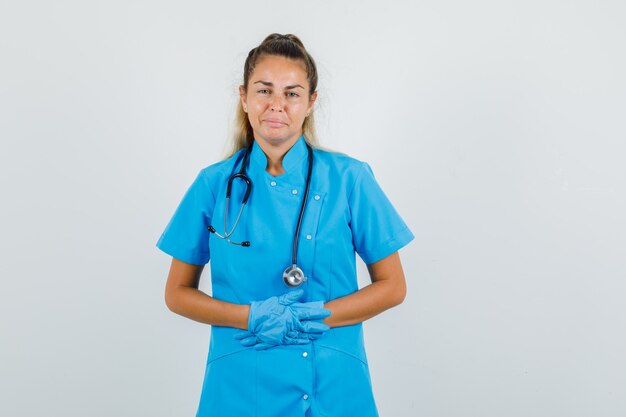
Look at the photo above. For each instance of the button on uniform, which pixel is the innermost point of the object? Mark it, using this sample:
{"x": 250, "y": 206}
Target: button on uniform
{"x": 306, "y": 397}
{"x": 305, "y": 354}
{"x": 273, "y": 183}
{"x": 294, "y": 191}
{"x": 309, "y": 237}
{"x": 317, "y": 197}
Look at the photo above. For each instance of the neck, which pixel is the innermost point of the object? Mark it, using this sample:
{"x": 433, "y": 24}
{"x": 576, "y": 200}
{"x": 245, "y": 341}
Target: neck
{"x": 275, "y": 152}
{"x": 275, "y": 167}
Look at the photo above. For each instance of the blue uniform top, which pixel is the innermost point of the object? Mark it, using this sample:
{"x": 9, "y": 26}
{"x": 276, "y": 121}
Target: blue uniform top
{"x": 346, "y": 212}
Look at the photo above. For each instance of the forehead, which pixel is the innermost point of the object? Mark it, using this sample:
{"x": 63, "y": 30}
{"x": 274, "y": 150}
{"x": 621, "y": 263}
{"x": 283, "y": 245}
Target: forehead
{"x": 279, "y": 70}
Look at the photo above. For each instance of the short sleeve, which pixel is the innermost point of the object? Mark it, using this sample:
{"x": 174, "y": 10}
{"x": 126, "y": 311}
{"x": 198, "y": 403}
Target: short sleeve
{"x": 186, "y": 236}
{"x": 377, "y": 228}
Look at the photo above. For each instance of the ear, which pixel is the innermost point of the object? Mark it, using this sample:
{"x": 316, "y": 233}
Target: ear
{"x": 312, "y": 100}
{"x": 242, "y": 96}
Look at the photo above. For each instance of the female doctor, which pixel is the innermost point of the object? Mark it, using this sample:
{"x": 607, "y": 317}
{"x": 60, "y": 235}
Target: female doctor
{"x": 281, "y": 220}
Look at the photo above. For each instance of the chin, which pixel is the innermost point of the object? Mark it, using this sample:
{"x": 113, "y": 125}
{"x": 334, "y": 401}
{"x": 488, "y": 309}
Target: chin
{"x": 275, "y": 137}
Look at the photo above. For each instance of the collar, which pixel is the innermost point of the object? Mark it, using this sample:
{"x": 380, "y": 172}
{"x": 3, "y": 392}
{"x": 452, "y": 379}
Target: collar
{"x": 293, "y": 159}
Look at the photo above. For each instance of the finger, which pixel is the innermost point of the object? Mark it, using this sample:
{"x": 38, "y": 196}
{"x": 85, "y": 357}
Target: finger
{"x": 262, "y": 346}
{"x": 291, "y": 296}
{"x": 317, "y": 304}
{"x": 249, "y": 341}
{"x": 242, "y": 334}
{"x": 315, "y": 327}
{"x": 310, "y": 306}
{"x": 311, "y": 313}
{"x": 296, "y": 338}
{"x": 304, "y": 335}
{"x": 313, "y": 334}
{"x": 292, "y": 334}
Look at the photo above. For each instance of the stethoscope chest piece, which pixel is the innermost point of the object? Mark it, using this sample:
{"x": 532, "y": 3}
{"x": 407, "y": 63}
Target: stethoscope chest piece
{"x": 293, "y": 276}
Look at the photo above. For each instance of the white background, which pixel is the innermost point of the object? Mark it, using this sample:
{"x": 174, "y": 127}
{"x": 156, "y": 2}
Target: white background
{"x": 495, "y": 127}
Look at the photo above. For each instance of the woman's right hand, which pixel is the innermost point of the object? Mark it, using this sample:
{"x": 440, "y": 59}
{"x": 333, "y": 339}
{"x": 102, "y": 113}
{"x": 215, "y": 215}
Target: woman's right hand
{"x": 283, "y": 321}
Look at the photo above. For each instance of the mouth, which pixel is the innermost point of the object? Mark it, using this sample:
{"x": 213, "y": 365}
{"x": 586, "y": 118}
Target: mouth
{"x": 274, "y": 122}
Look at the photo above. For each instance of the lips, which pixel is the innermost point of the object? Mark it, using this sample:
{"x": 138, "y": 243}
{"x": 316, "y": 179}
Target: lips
{"x": 275, "y": 122}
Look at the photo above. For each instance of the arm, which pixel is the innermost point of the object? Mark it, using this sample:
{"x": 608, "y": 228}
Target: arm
{"x": 388, "y": 289}
{"x": 183, "y": 297}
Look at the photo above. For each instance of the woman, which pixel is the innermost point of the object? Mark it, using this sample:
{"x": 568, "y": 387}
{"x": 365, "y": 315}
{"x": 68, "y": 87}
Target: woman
{"x": 284, "y": 343}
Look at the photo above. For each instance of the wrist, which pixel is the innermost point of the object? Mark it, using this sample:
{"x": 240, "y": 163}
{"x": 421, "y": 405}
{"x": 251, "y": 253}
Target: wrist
{"x": 245, "y": 317}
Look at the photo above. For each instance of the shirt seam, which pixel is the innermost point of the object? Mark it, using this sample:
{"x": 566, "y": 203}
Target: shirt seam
{"x": 357, "y": 180}
{"x": 228, "y": 354}
{"x": 344, "y": 352}
{"x": 203, "y": 174}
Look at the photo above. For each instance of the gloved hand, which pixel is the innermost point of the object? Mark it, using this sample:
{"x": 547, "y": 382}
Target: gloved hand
{"x": 283, "y": 321}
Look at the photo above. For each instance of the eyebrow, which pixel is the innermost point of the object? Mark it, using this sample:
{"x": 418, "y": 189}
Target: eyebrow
{"x": 269, "y": 84}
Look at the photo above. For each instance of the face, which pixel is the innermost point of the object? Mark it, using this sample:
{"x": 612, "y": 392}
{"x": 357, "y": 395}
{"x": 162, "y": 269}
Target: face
{"x": 277, "y": 99}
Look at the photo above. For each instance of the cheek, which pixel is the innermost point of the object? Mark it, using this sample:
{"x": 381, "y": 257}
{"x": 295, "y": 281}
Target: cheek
{"x": 258, "y": 106}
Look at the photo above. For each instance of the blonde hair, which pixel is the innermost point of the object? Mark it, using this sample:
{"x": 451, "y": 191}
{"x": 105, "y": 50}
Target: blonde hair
{"x": 288, "y": 46}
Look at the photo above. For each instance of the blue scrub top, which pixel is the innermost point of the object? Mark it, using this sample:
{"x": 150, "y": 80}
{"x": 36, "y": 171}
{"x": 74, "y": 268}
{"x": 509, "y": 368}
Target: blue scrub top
{"x": 347, "y": 212}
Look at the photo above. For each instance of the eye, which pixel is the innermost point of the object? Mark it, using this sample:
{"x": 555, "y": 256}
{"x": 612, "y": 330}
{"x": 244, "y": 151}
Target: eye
{"x": 261, "y": 91}
{"x": 294, "y": 94}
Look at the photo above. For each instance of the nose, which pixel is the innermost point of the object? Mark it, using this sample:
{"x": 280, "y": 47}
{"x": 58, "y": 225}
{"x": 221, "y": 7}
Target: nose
{"x": 277, "y": 103}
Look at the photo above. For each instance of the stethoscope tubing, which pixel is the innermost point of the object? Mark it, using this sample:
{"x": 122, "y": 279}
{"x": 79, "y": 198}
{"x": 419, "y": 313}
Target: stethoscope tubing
{"x": 304, "y": 201}
{"x": 293, "y": 276}
{"x": 242, "y": 175}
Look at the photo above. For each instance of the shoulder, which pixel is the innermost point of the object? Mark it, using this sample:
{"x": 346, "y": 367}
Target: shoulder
{"x": 211, "y": 177}
{"x": 218, "y": 170}
{"x": 340, "y": 164}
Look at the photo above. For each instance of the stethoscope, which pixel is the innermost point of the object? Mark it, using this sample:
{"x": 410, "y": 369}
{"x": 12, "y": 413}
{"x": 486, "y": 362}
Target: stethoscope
{"x": 292, "y": 276}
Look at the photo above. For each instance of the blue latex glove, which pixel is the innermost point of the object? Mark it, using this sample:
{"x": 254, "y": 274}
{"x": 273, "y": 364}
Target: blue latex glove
{"x": 292, "y": 337}
{"x": 283, "y": 321}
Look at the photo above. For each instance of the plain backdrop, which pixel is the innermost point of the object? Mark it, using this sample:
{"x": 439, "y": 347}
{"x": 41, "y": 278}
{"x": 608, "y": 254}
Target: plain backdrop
{"x": 495, "y": 127}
